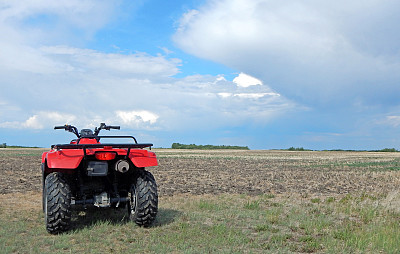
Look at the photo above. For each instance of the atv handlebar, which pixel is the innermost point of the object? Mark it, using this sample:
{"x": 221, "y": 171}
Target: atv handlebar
{"x": 103, "y": 126}
{"x": 69, "y": 128}
{"x": 114, "y": 127}
{"x": 74, "y": 130}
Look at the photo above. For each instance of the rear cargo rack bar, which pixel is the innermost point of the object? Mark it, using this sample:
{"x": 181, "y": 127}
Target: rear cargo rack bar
{"x": 91, "y": 146}
{"x": 100, "y": 137}
{"x": 132, "y": 137}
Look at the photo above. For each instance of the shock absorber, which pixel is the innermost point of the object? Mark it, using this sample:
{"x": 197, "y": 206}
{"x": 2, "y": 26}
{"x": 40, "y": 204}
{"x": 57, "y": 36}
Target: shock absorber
{"x": 81, "y": 189}
{"x": 115, "y": 185}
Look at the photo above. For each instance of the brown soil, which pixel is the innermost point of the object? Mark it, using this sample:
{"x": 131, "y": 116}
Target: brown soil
{"x": 244, "y": 172}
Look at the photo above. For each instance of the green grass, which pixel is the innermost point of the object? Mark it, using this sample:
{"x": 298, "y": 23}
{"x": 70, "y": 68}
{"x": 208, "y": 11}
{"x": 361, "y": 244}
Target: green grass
{"x": 207, "y": 147}
{"x": 203, "y": 157}
{"x": 216, "y": 224}
{"x": 21, "y": 152}
{"x": 391, "y": 165}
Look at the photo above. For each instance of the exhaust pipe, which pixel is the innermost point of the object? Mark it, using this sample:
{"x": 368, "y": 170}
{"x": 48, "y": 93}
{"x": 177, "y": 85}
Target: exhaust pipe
{"x": 122, "y": 166}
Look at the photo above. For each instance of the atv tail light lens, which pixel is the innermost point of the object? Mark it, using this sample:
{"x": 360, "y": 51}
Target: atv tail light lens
{"x": 105, "y": 156}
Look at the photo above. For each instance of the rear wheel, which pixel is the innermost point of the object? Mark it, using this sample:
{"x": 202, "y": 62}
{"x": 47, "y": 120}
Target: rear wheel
{"x": 57, "y": 203}
{"x": 143, "y": 203}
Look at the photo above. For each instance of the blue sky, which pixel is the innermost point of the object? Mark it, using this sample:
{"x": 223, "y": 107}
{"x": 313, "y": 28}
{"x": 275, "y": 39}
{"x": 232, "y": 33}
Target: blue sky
{"x": 262, "y": 73}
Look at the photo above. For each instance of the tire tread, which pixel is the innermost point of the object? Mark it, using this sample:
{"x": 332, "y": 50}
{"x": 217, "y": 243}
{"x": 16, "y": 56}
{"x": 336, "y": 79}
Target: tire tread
{"x": 58, "y": 203}
{"x": 147, "y": 199}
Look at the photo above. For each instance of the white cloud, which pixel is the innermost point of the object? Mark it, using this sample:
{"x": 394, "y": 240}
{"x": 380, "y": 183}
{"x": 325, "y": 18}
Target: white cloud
{"x": 318, "y": 53}
{"x": 245, "y": 80}
{"x": 393, "y": 121}
{"x": 137, "y": 117}
{"x": 41, "y": 120}
{"x": 225, "y": 95}
{"x": 135, "y": 65}
{"x": 186, "y": 19}
{"x": 84, "y": 14}
{"x": 247, "y": 95}
{"x": 17, "y": 57}
{"x": 220, "y": 78}
{"x": 47, "y": 119}
{"x": 255, "y": 95}
{"x": 65, "y": 60}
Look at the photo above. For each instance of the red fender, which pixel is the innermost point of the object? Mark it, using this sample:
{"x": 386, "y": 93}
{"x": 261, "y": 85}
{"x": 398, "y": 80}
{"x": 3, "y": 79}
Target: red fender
{"x": 143, "y": 158}
{"x": 71, "y": 158}
{"x": 68, "y": 159}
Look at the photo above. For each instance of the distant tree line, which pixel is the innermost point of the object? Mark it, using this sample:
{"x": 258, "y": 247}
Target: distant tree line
{"x": 390, "y": 150}
{"x": 297, "y": 149}
{"x": 207, "y": 147}
{"x": 4, "y": 145}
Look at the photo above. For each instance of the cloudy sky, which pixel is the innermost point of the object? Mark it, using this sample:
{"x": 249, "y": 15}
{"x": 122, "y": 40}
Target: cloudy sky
{"x": 261, "y": 73}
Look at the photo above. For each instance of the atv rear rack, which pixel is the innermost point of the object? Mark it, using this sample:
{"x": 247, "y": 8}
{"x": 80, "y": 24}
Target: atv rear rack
{"x": 91, "y": 146}
{"x": 84, "y": 146}
{"x": 104, "y": 145}
{"x": 100, "y": 137}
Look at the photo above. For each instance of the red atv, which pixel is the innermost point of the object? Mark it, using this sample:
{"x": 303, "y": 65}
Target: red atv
{"x": 87, "y": 172}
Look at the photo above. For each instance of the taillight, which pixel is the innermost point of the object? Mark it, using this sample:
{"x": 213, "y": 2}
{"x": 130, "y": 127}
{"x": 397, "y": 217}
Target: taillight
{"x": 105, "y": 156}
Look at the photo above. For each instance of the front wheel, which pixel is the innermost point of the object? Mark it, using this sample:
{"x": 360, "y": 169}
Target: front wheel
{"x": 143, "y": 199}
{"x": 57, "y": 203}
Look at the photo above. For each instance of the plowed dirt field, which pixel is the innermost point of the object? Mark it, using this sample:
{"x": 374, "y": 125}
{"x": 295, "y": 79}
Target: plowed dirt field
{"x": 231, "y": 171}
